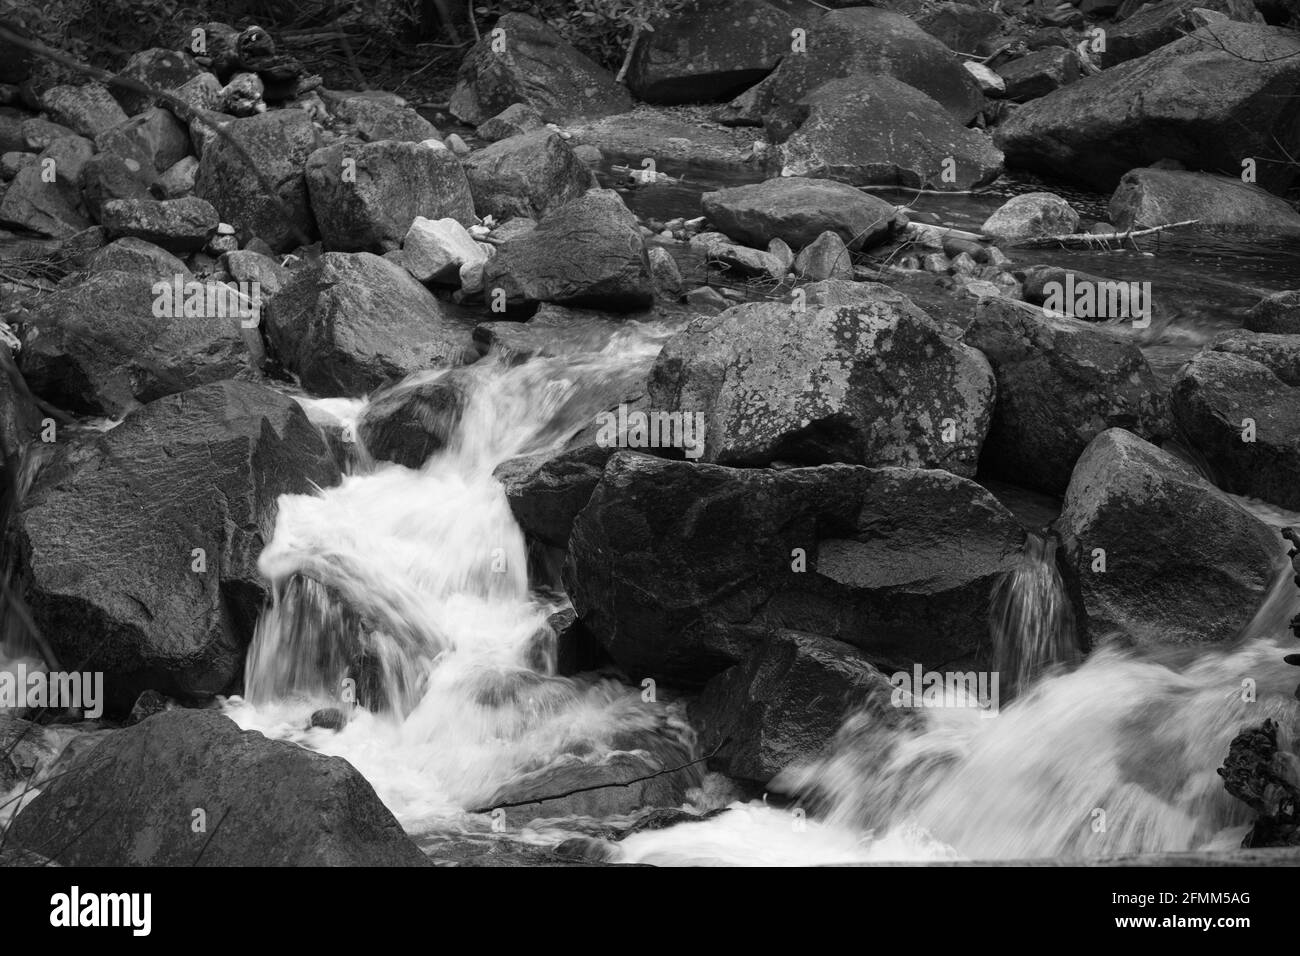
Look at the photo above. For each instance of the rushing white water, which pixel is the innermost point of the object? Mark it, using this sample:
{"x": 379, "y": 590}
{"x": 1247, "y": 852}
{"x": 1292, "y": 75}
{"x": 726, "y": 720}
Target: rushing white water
{"x": 1115, "y": 756}
{"x": 1031, "y": 619}
{"x": 409, "y": 590}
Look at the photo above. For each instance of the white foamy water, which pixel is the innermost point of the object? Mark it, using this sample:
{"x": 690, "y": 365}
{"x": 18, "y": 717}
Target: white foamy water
{"x": 409, "y": 589}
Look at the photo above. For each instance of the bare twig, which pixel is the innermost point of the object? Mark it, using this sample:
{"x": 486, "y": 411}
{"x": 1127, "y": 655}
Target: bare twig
{"x": 1089, "y": 237}
{"x": 603, "y": 786}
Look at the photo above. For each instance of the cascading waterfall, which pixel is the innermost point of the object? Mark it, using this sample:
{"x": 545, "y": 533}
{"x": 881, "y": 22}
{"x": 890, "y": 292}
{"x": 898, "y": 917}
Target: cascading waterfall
{"x": 410, "y": 588}
{"x": 1031, "y": 620}
{"x": 407, "y": 591}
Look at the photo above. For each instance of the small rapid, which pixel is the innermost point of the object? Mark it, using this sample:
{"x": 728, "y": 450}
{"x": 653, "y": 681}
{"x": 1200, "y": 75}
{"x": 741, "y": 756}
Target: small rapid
{"x": 402, "y": 600}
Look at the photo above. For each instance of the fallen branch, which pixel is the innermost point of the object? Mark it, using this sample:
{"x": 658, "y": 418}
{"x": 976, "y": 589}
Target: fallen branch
{"x": 920, "y": 192}
{"x": 1089, "y": 237}
{"x": 603, "y": 786}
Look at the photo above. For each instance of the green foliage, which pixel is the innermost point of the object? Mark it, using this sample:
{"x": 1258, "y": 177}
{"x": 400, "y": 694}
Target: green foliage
{"x": 602, "y": 29}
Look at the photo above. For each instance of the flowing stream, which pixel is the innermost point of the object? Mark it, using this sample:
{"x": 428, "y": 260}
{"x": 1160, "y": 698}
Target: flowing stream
{"x": 408, "y": 591}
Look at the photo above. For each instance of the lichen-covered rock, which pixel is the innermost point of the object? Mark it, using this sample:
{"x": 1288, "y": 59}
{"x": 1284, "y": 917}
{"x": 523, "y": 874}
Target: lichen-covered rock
{"x": 526, "y": 175}
{"x": 278, "y": 143}
{"x": 798, "y": 210}
{"x": 877, "y": 130}
{"x": 177, "y": 225}
{"x": 522, "y": 60}
{"x": 365, "y": 196}
{"x": 109, "y": 343}
{"x": 864, "y": 40}
{"x": 873, "y": 382}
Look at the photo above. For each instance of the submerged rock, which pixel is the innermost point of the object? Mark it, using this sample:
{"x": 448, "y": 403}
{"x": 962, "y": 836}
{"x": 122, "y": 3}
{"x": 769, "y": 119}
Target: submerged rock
{"x": 783, "y": 704}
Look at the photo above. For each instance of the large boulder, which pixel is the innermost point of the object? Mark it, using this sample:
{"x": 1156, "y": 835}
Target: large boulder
{"x": 278, "y": 143}
{"x": 867, "y": 129}
{"x": 376, "y": 119}
{"x": 440, "y": 250}
{"x": 136, "y": 255}
{"x": 588, "y": 252}
{"x": 177, "y": 225}
{"x": 1245, "y": 421}
{"x": 1039, "y": 73}
{"x": 872, "y": 382}
{"x": 48, "y": 209}
{"x": 119, "y": 339}
{"x": 961, "y": 27}
{"x": 710, "y": 52}
{"x": 527, "y": 175}
{"x": 783, "y": 704}
{"x": 1060, "y": 382}
{"x": 798, "y": 210}
{"x": 1183, "y": 563}
{"x": 154, "y": 139}
{"x": 133, "y": 801}
{"x": 108, "y": 176}
{"x": 547, "y": 492}
{"x": 681, "y": 569}
{"x": 1156, "y": 24}
{"x": 1209, "y": 100}
{"x": 1030, "y": 216}
{"x": 1280, "y": 354}
{"x": 411, "y": 421}
{"x": 864, "y": 40}
{"x": 137, "y": 553}
{"x": 1156, "y": 197}
{"x": 349, "y": 322}
{"x": 366, "y": 195}
{"x": 86, "y": 110}
{"x": 162, "y": 69}
{"x": 1279, "y": 312}
{"x": 522, "y": 60}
